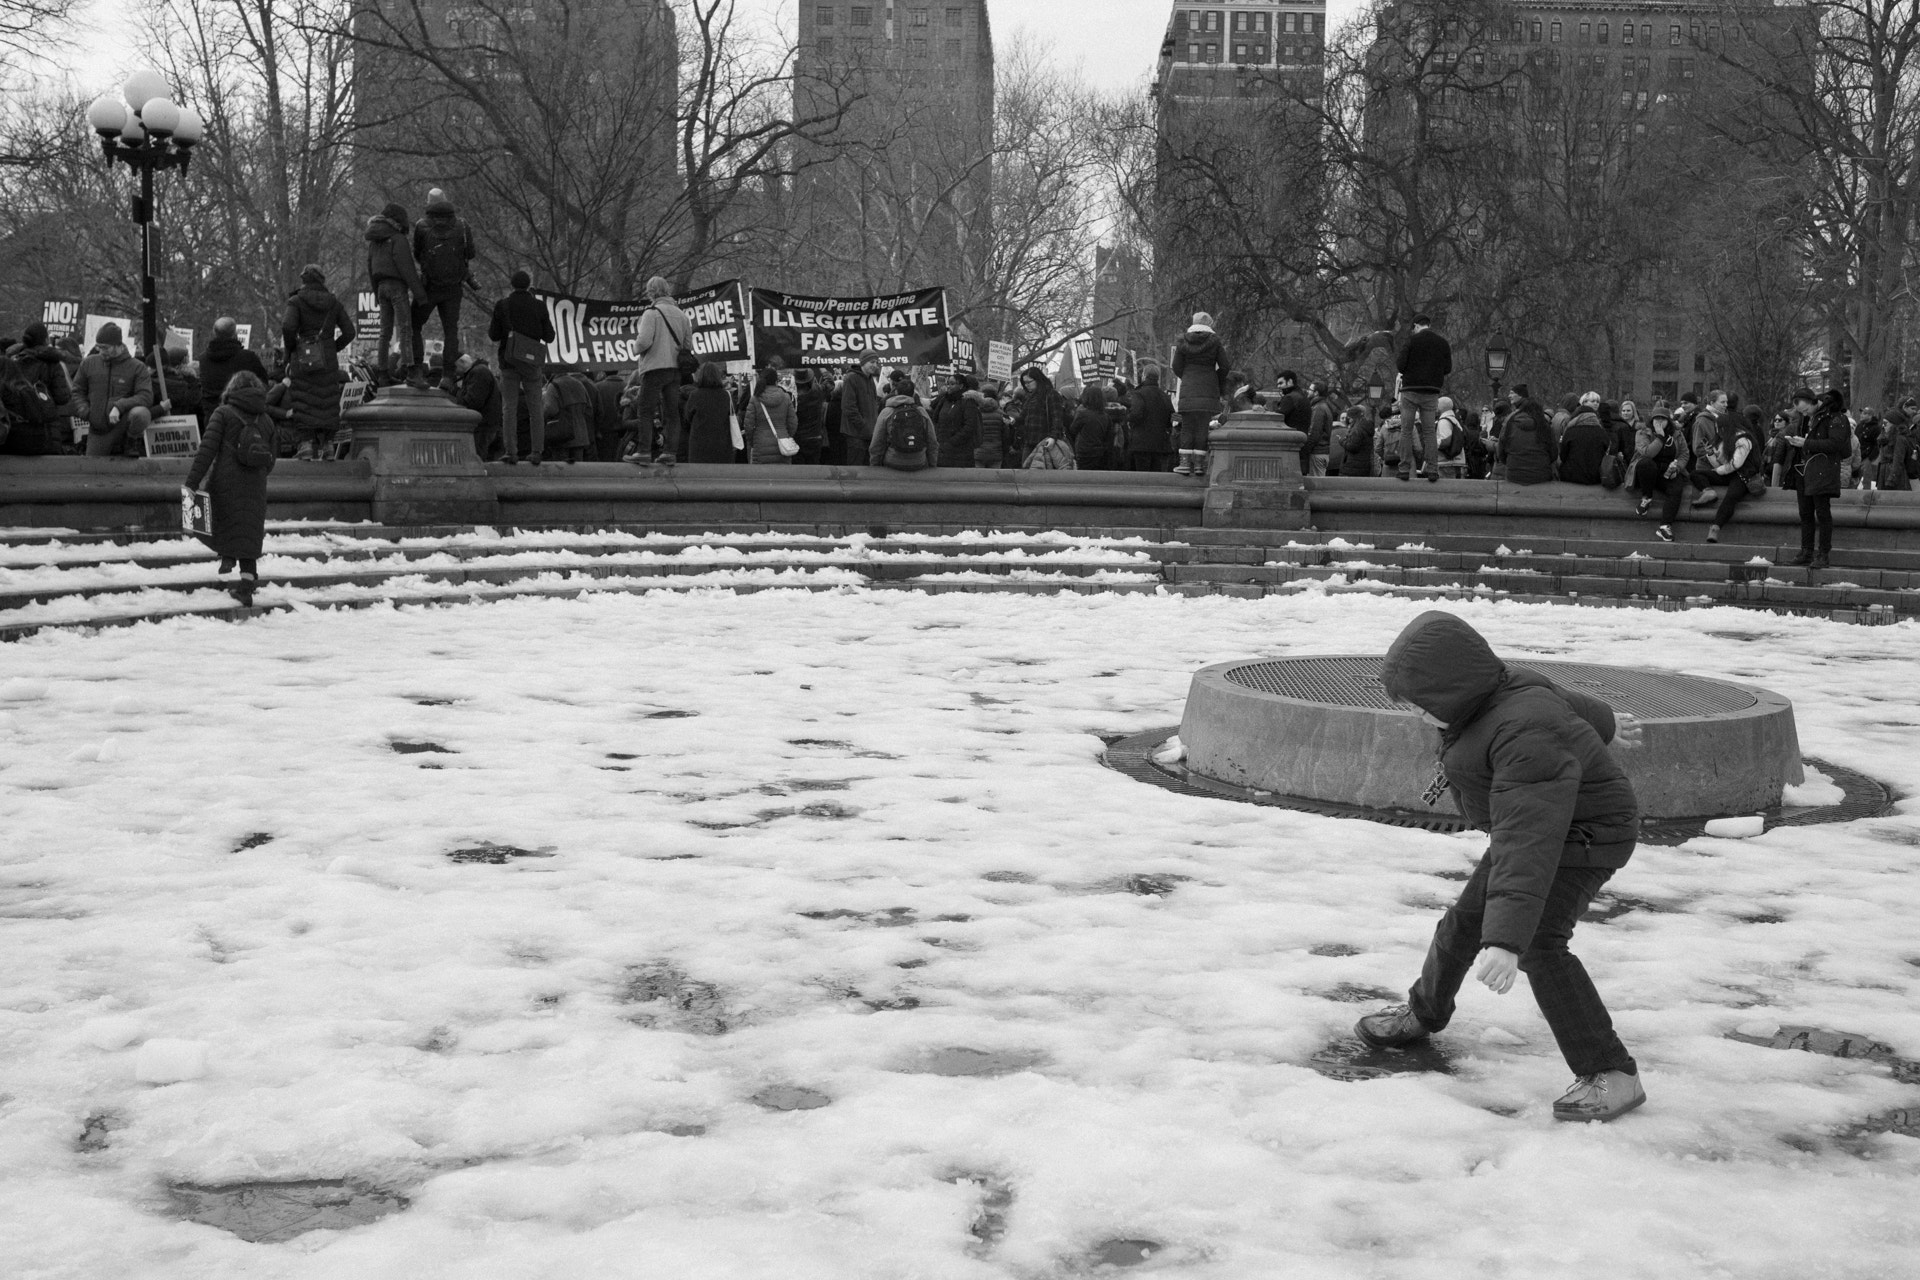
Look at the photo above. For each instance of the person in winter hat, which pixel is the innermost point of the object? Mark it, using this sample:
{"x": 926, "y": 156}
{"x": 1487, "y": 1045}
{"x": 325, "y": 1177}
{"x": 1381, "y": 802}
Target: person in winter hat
{"x": 1528, "y": 762}
{"x": 443, "y": 251}
{"x": 315, "y": 330}
{"x": 1201, "y": 365}
{"x": 114, "y": 393}
{"x": 40, "y": 366}
{"x": 396, "y": 285}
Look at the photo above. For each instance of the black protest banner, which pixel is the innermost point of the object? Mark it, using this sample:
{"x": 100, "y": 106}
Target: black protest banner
{"x": 598, "y": 334}
{"x": 62, "y": 318}
{"x": 900, "y": 329}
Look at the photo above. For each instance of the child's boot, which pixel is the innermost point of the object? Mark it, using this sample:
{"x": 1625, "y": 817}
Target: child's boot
{"x": 1603, "y": 1096}
{"x": 1390, "y": 1028}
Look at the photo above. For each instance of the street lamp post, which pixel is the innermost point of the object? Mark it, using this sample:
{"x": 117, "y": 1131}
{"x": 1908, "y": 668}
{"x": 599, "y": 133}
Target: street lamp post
{"x": 147, "y": 132}
{"x": 1497, "y": 357}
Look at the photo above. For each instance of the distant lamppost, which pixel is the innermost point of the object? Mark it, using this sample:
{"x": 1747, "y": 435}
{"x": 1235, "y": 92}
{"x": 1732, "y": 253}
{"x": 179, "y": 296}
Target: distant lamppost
{"x": 1497, "y": 357}
{"x": 1375, "y": 391}
{"x": 148, "y": 132}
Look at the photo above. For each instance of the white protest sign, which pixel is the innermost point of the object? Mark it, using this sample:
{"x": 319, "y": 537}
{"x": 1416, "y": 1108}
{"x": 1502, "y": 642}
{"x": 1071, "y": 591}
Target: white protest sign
{"x": 1000, "y": 361}
{"x": 174, "y": 436}
{"x": 91, "y": 330}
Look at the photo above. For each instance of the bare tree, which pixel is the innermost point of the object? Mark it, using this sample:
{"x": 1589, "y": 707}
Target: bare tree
{"x": 29, "y": 31}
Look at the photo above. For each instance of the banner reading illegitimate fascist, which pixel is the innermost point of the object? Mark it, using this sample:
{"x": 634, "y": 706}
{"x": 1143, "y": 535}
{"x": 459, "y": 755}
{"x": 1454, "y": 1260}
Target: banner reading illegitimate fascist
{"x": 901, "y": 329}
{"x": 598, "y": 334}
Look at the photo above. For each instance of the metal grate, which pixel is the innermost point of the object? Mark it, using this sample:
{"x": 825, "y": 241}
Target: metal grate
{"x": 1355, "y": 682}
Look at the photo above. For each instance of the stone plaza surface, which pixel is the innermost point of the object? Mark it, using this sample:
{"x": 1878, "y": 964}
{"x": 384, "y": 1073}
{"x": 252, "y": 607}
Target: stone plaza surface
{"x": 806, "y": 935}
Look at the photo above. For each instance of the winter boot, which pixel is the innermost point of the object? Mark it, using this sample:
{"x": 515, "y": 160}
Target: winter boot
{"x": 1604, "y": 1096}
{"x": 1390, "y": 1028}
{"x": 243, "y": 589}
{"x": 1804, "y": 554}
{"x": 1713, "y": 533}
{"x": 1819, "y": 561}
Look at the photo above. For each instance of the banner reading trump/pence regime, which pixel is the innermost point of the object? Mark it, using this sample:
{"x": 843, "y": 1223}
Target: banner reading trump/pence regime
{"x": 900, "y": 329}
{"x": 597, "y": 334}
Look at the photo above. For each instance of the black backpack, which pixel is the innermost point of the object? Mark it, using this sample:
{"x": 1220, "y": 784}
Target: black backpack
{"x": 251, "y": 447}
{"x": 908, "y": 429}
{"x": 444, "y": 264}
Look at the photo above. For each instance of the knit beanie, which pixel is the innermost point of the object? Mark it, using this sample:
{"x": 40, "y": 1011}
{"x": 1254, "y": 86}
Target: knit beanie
{"x": 312, "y": 274}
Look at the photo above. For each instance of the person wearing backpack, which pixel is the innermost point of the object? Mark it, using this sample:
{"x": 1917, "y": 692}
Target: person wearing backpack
{"x": 443, "y": 250}
{"x": 903, "y": 437}
{"x": 395, "y": 278}
{"x": 236, "y": 453}
{"x": 316, "y": 328}
{"x": 39, "y": 397}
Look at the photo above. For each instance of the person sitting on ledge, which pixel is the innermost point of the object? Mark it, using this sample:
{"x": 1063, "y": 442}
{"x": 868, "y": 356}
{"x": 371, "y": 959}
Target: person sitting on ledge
{"x": 1584, "y": 444}
{"x": 1526, "y": 447}
{"x": 1527, "y": 761}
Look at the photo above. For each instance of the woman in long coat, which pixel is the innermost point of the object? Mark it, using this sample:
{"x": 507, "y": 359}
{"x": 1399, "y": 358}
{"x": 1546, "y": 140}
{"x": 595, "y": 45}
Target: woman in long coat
{"x": 235, "y": 477}
{"x": 709, "y": 411}
{"x": 316, "y": 319}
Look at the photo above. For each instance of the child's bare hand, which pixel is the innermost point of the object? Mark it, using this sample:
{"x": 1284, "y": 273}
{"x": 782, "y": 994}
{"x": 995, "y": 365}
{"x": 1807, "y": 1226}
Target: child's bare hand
{"x": 1628, "y": 733}
{"x": 1497, "y": 967}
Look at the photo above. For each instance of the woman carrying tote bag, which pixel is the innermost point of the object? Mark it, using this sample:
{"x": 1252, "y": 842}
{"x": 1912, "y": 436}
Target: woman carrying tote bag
{"x": 771, "y": 420}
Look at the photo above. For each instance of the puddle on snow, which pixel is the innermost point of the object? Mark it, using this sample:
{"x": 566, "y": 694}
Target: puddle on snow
{"x": 497, "y": 854}
{"x": 688, "y": 1003}
{"x": 1355, "y": 993}
{"x": 272, "y": 1212}
{"x": 960, "y": 1061}
{"x": 786, "y": 1097}
{"x": 418, "y": 748}
{"x": 1333, "y": 949}
{"x": 1350, "y": 1058}
{"x": 253, "y": 840}
{"x": 1123, "y": 1253}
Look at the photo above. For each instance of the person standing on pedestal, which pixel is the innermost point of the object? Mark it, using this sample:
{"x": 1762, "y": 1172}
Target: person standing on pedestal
{"x": 1528, "y": 762}
{"x": 665, "y": 336}
{"x": 396, "y": 286}
{"x": 315, "y": 330}
{"x": 1200, "y": 363}
{"x": 443, "y": 250}
{"x": 1424, "y": 364}
{"x": 521, "y": 328}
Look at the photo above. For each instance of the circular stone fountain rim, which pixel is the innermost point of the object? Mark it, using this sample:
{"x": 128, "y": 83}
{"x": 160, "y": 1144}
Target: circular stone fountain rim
{"x": 1132, "y": 755}
{"x": 1762, "y": 701}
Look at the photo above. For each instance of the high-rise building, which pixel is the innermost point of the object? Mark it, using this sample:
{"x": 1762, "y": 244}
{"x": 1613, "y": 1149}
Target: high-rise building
{"x": 1236, "y": 97}
{"x": 895, "y": 196}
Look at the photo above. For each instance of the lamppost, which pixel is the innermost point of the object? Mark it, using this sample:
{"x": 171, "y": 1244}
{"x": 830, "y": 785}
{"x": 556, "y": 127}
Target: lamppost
{"x": 147, "y": 132}
{"x": 1374, "y": 393}
{"x": 1497, "y": 357}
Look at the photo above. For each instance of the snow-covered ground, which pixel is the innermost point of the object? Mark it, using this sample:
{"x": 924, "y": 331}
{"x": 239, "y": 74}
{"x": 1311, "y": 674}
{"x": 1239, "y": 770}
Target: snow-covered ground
{"x": 755, "y": 819}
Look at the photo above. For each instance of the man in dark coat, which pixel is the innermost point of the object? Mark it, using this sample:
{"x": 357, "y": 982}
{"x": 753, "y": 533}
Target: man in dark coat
{"x": 520, "y": 379}
{"x": 609, "y": 428}
{"x": 1200, "y": 363}
{"x": 1425, "y": 361}
{"x": 396, "y": 285}
{"x": 1319, "y": 429}
{"x": 1150, "y": 426}
{"x": 810, "y": 415}
{"x": 1528, "y": 762}
{"x": 443, "y": 251}
{"x": 42, "y": 368}
{"x": 479, "y": 391}
{"x": 114, "y": 393}
{"x": 859, "y": 409}
{"x": 223, "y": 358}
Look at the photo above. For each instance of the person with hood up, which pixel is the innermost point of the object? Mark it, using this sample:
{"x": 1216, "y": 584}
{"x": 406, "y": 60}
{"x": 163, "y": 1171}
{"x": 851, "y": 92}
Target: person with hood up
{"x": 1201, "y": 365}
{"x": 114, "y": 393}
{"x": 236, "y": 453}
{"x": 1150, "y": 436}
{"x": 956, "y": 417}
{"x": 903, "y": 434}
{"x": 1585, "y": 443}
{"x": 1819, "y": 451}
{"x": 44, "y": 374}
{"x": 443, "y": 251}
{"x": 1527, "y": 761}
{"x": 1526, "y": 446}
{"x": 225, "y": 357}
{"x": 396, "y": 286}
{"x": 1662, "y": 461}
{"x": 316, "y": 329}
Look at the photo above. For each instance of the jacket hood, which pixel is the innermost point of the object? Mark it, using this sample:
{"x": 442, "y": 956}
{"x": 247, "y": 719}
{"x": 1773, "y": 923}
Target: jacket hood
{"x": 380, "y": 228}
{"x": 1444, "y": 667}
{"x": 1584, "y": 418}
{"x": 1200, "y": 342}
{"x": 223, "y": 346}
{"x": 248, "y": 397}
{"x": 314, "y": 297}
{"x": 45, "y": 355}
{"x": 441, "y": 216}
{"x": 894, "y": 402}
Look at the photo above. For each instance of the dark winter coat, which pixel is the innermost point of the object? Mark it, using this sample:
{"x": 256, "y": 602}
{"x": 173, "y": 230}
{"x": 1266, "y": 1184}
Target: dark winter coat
{"x": 1829, "y": 444}
{"x": 1319, "y": 426}
{"x": 42, "y": 369}
{"x": 313, "y": 311}
{"x": 1526, "y": 760}
{"x": 880, "y": 450}
{"x": 1356, "y": 458}
{"x": 223, "y": 358}
{"x": 1526, "y": 445}
{"x": 1200, "y": 362}
{"x": 1583, "y": 447}
{"x": 111, "y": 378}
{"x": 1149, "y": 421}
{"x": 607, "y": 420}
{"x": 957, "y": 420}
{"x": 441, "y": 223}
{"x": 708, "y": 411}
{"x": 810, "y": 413}
{"x": 518, "y": 312}
{"x": 1092, "y": 435}
{"x": 390, "y": 257}
{"x": 238, "y": 494}
{"x": 771, "y": 409}
{"x": 1296, "y": 410}
{"x": 859, "y": 406}
{"x": 1044, "y": 413}
{"x": 1425, "y": 362}
{"x": 991, "y": 450}
{"x": 572, "y": 427}
{"x": 480, "y": 392}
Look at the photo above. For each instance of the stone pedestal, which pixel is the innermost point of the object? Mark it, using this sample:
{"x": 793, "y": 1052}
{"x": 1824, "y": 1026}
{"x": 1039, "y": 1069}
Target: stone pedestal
{"x": 419, "y": 444}
{"x": 1253, "y": 474}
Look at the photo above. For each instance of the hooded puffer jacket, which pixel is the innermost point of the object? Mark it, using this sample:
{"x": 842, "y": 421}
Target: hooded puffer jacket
{"x": 389, "y": 255}
{"x": 1200, "y": 362}
{"x": 1526, "y": 760}
{"x": 315, "y": 400}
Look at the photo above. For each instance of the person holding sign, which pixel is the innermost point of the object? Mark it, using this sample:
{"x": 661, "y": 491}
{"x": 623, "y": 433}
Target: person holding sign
{"x": 236, "y": 453}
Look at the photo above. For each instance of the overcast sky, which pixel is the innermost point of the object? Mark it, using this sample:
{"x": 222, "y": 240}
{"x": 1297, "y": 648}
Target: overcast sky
{"x": 1114, "y": 42}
